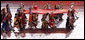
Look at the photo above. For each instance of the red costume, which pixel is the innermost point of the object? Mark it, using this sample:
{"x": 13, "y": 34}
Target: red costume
{"x": 51, "y": 20}
{"x": 23, "y": 19}
{"x": 71, "y": 15}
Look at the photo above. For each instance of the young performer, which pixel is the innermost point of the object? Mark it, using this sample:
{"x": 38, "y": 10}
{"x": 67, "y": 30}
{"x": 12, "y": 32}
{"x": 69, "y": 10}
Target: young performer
{"x": 30, "y": 17}
{"x": 30, "y": 20}
{"x": 20, "y": 20}
{"x": 23, "y": 21}
{"x": 16, "y": 21}
{"x": 44, "y": 22}
{"x": 9, "y": 22}
{"x": 51, "y": 20}
{"x": 4, "y": 20}
{"x": 16, "y": 26}
{"x": 60, "y": 4}
{"x": 47, "y": 6}
{"x": 34, "y": 19}
{"x": 71, "y": 18}
{"x": 9, "y": 16}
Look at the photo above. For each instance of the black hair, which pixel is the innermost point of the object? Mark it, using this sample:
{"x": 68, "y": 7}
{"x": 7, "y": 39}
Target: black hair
{"x": 15, "y": 14}
{"x": 47, "y": 13}
{"x": 33, "y": 13}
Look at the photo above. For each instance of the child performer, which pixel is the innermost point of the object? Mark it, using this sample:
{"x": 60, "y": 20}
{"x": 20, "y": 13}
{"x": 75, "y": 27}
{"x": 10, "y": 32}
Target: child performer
{"x": 34, "y": 19}
{"x": 30, "y": 17}
{"x": 44, "y": 22}
{"x": 51, "y": 20}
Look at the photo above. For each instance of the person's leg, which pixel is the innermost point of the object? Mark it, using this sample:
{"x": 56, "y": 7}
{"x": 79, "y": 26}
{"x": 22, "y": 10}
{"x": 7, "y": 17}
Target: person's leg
{"x": 3, "y": 26}
{"x": 68, "y": 24}
{"x": 42, "y": 25}
{"x": 46, "y": 26}
{"x": 11, "y": 28}
{"x": 61, "y": 16}
{"x": 23, "y": 26}
{"x": 6, "y": 27}
{"x": 72, "y": 24}
{"x": 52, "y": 25}
{"x": 34, "y": 24}
{"x": 68, "y": 27}
{"x": 20, "y": 26}
{"x": 30, "y": 24}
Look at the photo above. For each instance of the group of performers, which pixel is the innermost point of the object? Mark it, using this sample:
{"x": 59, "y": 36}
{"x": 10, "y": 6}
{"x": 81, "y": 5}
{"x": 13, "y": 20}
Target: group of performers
{"x": 48, "y": 19}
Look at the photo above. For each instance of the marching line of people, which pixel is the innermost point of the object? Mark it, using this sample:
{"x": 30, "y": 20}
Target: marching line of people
{"x": 6, "y": 19}
{"x": 48, "y": 20}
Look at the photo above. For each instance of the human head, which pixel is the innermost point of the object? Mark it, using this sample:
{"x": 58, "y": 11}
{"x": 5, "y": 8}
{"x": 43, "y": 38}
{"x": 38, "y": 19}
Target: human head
{"x": 19, "y": 10}
{"x": 3, "y": 9}
{"x": 47, "y": 3}
{"x": 15, "y": 15}
{"x": 72, "y": 5}
{"x": 47, "y": 13}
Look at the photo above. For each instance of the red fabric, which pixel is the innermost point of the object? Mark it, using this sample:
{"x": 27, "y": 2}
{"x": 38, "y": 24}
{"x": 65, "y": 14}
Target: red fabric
{"x": 69, "y": 13}
{"x": 73, "y": 11}
{"x": 43, "y": 11}
{"x": 43, "y": 23}
{"x": 53, "y": 17}
{"x": 50, "y": 23}
{"x": 34, "y": 7}
{"x": 30, "y": 18}
{"x": 23, "y": 19}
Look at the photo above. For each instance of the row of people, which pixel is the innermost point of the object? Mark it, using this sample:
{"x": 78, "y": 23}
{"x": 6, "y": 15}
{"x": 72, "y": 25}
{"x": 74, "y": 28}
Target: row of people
{"x": 20, "y": 19}
{"x": 47, "y": 19}
{"x": 59, "y": 6}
